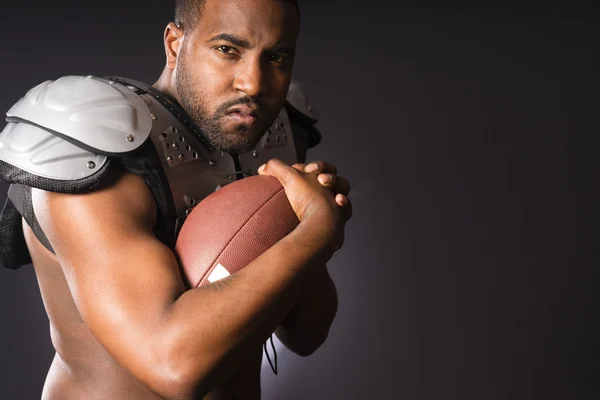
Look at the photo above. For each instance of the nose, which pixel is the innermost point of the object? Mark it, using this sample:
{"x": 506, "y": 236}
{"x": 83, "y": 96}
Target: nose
{"x": 250, "y": 78}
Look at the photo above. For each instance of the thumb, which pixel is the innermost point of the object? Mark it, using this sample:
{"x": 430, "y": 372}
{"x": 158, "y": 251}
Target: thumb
{"x": 279, "y": 170}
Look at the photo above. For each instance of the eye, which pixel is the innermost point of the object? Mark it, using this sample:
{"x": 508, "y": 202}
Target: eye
{"x": 226, "y": 49}
{"x": 279, "y": 59}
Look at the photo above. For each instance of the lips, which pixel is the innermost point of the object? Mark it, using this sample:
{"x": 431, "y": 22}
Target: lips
{"x": 242, "y": 117}
{"x": 244, "y": 114}
{"x": 244, "y": 110}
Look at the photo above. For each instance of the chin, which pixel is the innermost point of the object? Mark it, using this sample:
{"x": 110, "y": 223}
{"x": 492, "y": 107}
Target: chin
{"x": 236, "y": 142}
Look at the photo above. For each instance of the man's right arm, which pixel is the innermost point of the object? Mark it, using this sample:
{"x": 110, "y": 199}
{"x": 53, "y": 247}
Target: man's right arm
{"x": 129, "y": 291}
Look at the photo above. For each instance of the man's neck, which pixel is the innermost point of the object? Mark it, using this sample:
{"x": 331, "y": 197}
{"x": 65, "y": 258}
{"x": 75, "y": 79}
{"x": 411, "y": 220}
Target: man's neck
{"x": 165, "y": 86}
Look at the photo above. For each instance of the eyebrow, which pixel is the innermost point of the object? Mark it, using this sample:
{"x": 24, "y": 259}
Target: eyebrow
{"x": 228, "y": 37}
{"x": 237, "y": 41}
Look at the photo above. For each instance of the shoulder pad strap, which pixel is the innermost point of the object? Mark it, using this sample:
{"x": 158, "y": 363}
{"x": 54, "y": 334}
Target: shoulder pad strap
{"x": 96, "y": 114}
{"x": 298, "y": 102}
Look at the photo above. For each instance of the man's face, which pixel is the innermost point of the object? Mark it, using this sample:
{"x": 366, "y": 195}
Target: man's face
{"x": 234, "y": 70}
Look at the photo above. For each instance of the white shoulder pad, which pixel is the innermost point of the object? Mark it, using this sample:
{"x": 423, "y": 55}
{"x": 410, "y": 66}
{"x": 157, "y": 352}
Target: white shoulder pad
{"x": 297, "y": 99}
{"x": 97, "y": 114}
{"x": 43, "y": 154}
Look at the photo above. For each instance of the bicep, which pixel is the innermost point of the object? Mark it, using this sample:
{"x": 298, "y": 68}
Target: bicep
{"x": 123, "y": 280}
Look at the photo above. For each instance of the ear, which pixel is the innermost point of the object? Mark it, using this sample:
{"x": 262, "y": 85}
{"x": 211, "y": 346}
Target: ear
{"x": 173, "y": 41}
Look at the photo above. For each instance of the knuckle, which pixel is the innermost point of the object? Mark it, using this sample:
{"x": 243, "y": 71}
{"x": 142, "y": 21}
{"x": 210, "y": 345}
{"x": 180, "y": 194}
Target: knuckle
{"x": 299, "y": 166}
{"x": 273, "y": 162}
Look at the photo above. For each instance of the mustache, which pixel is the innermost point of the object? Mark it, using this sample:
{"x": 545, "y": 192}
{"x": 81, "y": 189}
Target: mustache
{"x": 261, "y": 108}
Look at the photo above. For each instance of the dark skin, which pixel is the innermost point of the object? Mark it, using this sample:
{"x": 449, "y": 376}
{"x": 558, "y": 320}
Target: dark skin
{"x": 122, "y": 322}
{"x": 229, "y": 60}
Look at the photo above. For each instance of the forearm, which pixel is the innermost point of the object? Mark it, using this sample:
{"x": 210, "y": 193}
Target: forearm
{"x": 307, "y": 325}
{"x": 217, "y": 326}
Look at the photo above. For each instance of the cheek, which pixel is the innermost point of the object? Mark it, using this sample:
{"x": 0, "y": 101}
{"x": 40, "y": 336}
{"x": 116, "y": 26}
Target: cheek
{"x": 212, "y": 81}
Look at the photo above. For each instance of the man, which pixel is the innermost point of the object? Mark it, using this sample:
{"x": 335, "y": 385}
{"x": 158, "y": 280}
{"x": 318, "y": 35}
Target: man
{"x": 123, "y": 322}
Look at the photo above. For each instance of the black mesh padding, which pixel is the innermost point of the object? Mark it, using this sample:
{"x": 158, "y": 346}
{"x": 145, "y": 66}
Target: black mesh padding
{"x": 11, "y": 174}
{"x": 147, "y": 164}
{"x": 13, "y": 249}
{"x": 20, "y": 196}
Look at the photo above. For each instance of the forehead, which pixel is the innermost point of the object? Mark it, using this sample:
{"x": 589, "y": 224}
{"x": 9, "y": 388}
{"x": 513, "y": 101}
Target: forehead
{"x": 258, "y": 21}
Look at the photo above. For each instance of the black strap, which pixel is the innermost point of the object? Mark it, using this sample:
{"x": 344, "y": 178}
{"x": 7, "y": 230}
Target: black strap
{"x": 13, "y": 248}
{"x": 20, "y": 196}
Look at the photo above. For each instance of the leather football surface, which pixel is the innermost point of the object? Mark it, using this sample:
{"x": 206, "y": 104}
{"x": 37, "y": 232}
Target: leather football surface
{"x": 232, "y": 227}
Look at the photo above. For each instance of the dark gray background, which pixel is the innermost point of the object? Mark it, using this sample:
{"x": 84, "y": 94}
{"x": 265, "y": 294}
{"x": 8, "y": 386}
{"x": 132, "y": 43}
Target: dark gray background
{"x": 457, "y": 123}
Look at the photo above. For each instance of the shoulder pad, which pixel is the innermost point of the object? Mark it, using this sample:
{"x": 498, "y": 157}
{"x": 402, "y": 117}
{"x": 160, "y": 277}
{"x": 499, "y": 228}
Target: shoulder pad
{"x": 297, "y": 99}
{"x": 95, "y": 114}
{"x": 24, "y": 147}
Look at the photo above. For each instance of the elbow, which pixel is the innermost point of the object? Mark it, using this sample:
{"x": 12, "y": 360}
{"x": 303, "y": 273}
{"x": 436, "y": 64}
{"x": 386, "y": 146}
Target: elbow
{"x": 308, "y": 348}
{"x": 302, "y": 344}
{"x": 174, "y": 376}
{"x": 176, "y": 383}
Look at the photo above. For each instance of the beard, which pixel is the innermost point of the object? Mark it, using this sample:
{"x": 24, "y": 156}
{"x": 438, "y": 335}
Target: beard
{"x": 236, "y": 140}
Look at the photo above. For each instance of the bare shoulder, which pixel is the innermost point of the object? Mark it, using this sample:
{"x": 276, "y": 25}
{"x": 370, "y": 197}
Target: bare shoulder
{"x": 123, "y": 198}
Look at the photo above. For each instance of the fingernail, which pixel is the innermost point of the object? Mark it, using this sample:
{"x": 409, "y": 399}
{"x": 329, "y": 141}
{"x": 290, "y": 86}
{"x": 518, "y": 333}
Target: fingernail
{"x": 311, "y": 167}
{"x": 260, "y": 169}
{"x": 326, "y": 178}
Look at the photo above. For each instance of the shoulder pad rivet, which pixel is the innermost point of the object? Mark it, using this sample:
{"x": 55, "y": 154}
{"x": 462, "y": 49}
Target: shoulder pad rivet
{"x": 91, "y": 165}
{"x": 310, "y": 109}
{"x": 163, "y": 136}
{"x": 212, "y": 163}
{"x": 170, "y": 160}
{"x": 174, "y": 129}
{"x": 188, "y": 147}
{"x": 195, "y": 155}
{"x": 153, "y": 117}
{"x": 175, "y": 146}
{"x": 181, "y": 157}
{"x": 131, "y": 87}
{"x": 276, "y": 127}
{"x": 111, "y": 82}
{"x": 90, "y": 76}
{"x": 130, "y": 138}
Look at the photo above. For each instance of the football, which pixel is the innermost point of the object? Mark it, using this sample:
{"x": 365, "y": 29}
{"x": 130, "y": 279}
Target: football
{"x": 231, "y": 227}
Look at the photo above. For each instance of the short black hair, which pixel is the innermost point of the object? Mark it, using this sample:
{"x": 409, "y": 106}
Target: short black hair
{"x": 187, "y": 12}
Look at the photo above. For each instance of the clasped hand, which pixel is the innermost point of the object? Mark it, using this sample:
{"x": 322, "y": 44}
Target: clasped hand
{"x": 327, "y": 177}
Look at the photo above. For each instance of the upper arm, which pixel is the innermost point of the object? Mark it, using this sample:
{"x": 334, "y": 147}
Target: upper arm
{"x": 122, "y": 278}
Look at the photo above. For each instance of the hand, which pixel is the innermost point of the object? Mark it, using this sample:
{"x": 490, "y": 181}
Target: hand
{"x": 315, "y": 205}
{"x": 340, "y": 186}
{"x": 327, "y": 176}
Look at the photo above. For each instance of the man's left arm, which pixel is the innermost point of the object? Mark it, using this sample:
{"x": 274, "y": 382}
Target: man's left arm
{"x": 307, "y": 325}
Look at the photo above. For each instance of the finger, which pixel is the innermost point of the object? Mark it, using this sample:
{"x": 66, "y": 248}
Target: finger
{"x": 342, "y": 185}
{"x": 278, "y": 169}
{"x": 327, "y": 180}
{"x": 299, "y": 167}
{"x": 345, "y": 205}
{"x": 321, "y": 167}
